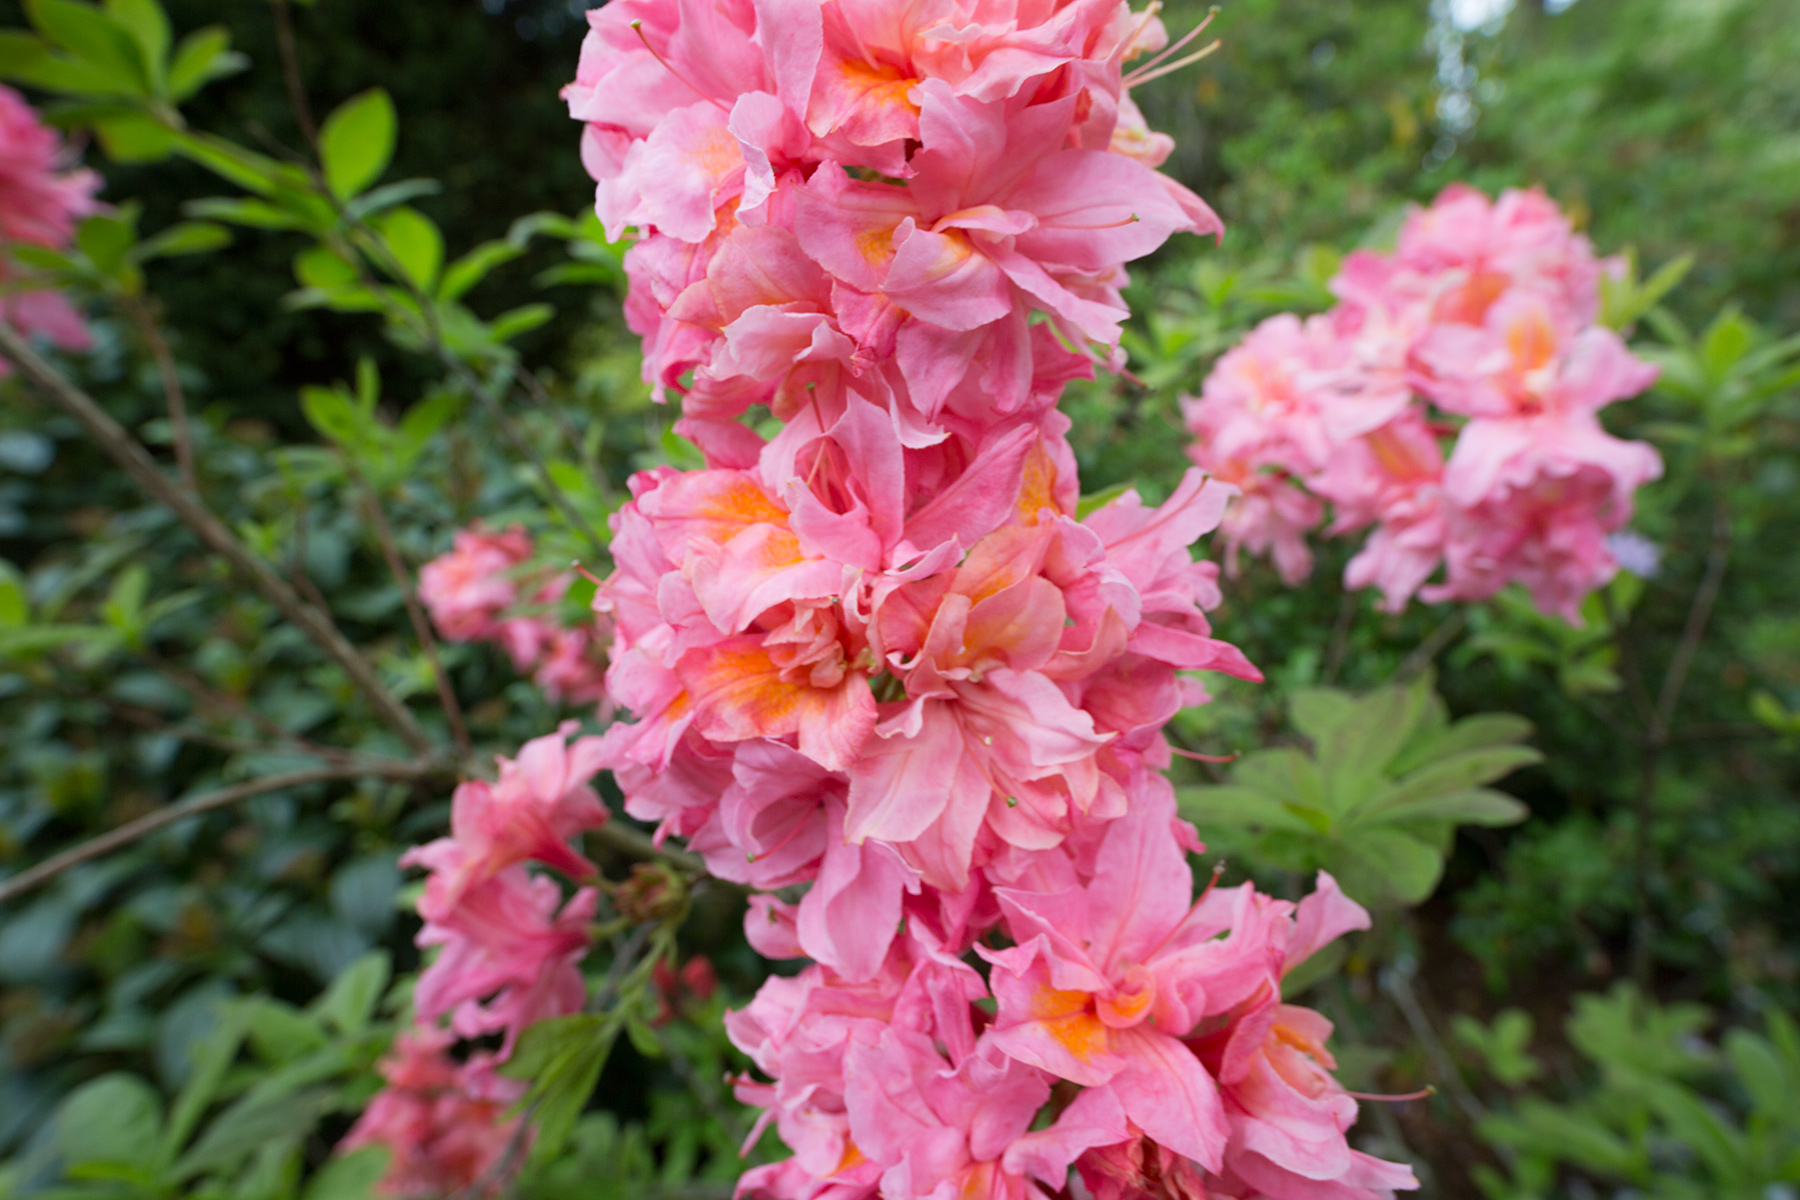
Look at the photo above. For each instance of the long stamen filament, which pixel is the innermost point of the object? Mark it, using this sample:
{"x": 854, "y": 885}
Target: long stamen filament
{"x": 1206, "y": 758}
{"x": 1174, "y": 48}
{"x": 637, "y": 27}
{"x": 1421, "y": 1094}
{"x": 1145, "y": 76}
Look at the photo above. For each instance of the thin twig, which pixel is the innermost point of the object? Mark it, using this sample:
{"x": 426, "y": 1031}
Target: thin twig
{"x": 495, "y": 409}
{"x": 124, "y": 835}
{"x": 1433, "y": 645}
{"x": 129, "y": 454}
{"x": 1340, "y": 636}
{"x": 628, "y": 842}
{"x": 446, "y": 691}
{"x": 1656, "y": 738}
{"x": 206, "y": 695}
{"x": 1399, "y": 988}
{"x": 290, "y": 73}
{"x": 172, "y": 390}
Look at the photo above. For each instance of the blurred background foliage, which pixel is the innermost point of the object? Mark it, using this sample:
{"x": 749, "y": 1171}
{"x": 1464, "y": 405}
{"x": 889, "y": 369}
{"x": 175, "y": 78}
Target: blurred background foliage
{"x": 1668, "y": 853}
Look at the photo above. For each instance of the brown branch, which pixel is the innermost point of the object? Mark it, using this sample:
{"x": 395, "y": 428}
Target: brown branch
{"x": 390, "y": 551}
{"x": 290, "y": 73}
{"x": 129, "y": 454}
{"x": 1433, "y": 645}
{"x": 173, "y": 393}
{"x": 1656, "y": 738}
{"x": 124, "y": 835}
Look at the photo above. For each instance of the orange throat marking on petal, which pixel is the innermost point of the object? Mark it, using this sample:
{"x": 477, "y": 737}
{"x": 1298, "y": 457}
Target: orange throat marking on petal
{"x": 1069, "y": 1018}
{"x": 852, "y": 1157}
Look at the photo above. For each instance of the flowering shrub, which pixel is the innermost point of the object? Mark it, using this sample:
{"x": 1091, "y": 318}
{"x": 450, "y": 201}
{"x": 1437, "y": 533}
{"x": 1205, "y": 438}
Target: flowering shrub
{"x": 828, "y": 660}
{"x": 1486, "y": 310}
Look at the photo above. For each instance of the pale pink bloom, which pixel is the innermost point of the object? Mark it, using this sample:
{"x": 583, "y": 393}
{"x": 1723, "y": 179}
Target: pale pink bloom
{"x": 467, "y": 590}
{"x": 799, "y": 1031}
{"x": 1288, "y": 1115}
{"x": 1476, "y": 250}
{"x": 1107, "y": 978}
{"x": 443, "y": 1123}
{"x": 40, "y": 201}
{"x": 542, "y": 799}
{"x": 573, "y": 669}
{"x": 1267, "y": 398}
{"x": 48, "y": 315}
{"x": 507, "y": 957}
{"x": 940, "y": 1130}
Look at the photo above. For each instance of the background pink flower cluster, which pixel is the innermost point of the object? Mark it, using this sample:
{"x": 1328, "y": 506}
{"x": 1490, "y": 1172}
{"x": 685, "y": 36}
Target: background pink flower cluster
{"x": 41, "y": 199}
{"x": 508, "y": 946}
{"x": 487, "y": 590}
{"x": 1478, "y": 332}
{"x": 884, "y": 654}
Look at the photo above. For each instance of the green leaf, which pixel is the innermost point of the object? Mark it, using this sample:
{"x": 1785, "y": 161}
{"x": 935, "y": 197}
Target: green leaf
{"x": 332, "y": 413}
{"x": 247, "y": 1126}
{"x": 1727, "y": 340}
{"x": 134, "y": 138}
{"x": 350, "y": 1176}
{"x": 1287, "y": 774}
{"x": 1240, "y": 807}
{"x": 1095, "y": 501}
{"x": 1470, "y": 733}
{"x": 1760, "y": 1069}
{"x": 474, "y": 266}
{"x": 1455, "y": 774}
{"x": 562, "y": 1058}
{"x": 203, "y": 56}
{"x": 1319, "y": 712}
{"x": 1505, "y": 1045}
{"x": 148, "y": 26}
{"x": 1382, "y": 864}
{"x": 189, "y": 237}
{"x": 116, "y": 1118}
{"x": 106, "y": 241}
{"x": 518, "y": 321}
{"x": 356, "y": 143}
{"x": 348, "y": 1004}
{"x": 206, "y": 1072}
{"x": 323, "y": 267}
{"x": 279, "y": 1033}
{"x": 94, "y": 37}
{"x": 1477, "y": 806}
{"x": 15, "y": 606}
{"x": 255, "y": 214}
{"x": 415, "y": 244}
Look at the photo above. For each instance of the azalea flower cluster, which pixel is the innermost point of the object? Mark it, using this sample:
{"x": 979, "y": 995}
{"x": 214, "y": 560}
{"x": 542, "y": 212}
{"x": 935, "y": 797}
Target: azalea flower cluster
{"x": 509, "y": 943}
{"x": 1478, "y": 333}
{"x": 484, "y": 590}
{"x": 40, "y": 202}
{"x": 885, "y": 654}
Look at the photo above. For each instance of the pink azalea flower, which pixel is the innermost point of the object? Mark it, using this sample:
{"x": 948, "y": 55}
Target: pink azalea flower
{"x": 40, "y": 201}
{"x": 542, "y": 799}
{"x": 444, "y": 1124}
{"x": 507, "y": 958}
{"x": 466, "y": 590}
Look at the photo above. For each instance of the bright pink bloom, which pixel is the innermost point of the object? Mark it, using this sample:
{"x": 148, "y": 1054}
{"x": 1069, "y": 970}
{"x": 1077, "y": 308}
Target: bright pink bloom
{"x": 40, "y": 201}
{"x": 508, "y": 956}
{"x": 444, "y": 1124}
{"x": 541, "y": 800}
